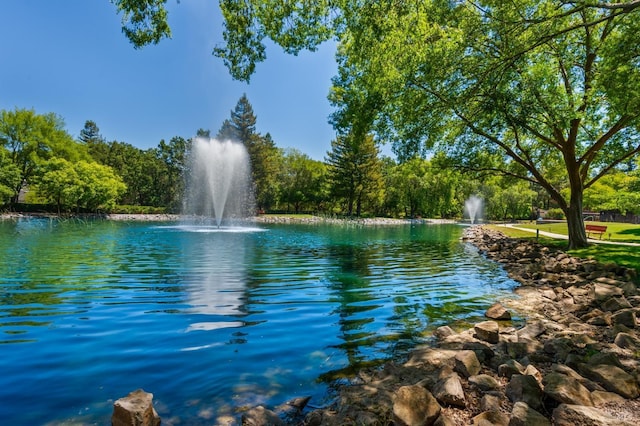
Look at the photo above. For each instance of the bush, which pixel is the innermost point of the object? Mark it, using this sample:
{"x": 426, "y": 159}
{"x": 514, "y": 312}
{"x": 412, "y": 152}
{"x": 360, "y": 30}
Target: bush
{"x": 129, "y": 209}
{"x": 555, "y": 214}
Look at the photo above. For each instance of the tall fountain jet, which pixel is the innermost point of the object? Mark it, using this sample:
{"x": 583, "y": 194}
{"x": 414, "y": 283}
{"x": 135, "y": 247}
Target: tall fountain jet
{"x": 218, "y": 181}
{"x": 473, "y": 208}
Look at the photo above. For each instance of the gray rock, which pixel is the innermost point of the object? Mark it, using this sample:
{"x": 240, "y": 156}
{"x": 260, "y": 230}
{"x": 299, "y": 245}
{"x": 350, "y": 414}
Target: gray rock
{"x": 607, "y": 358}
{"x": 497, "y": 312}
{"x": 467, "y": 364}
{"x": 627, "y": 287}
{"x": 260, "y": 416}
{"x": 615, "y": 304}
{"x": 601, "y": 398}
{"x": 548, "y": 293}
{"x": 566, "y": 390}
{"x": 443, "y": 332}
{"x": 613, "y": 379}
{"x": 482, "y": 350}
{"x": 601, "y": 292}
{"x": 432, "y": 356}
{"x": 491, "y": 418}
{"x": 490, "y": 402}
{"x": 510, "y": 368}
{"x": 568, "y": 371}
{"x": 626, "y": 317}
{"x": 531, "y": 370}
{"x": 572, "y": 415}
{"x": 484, "y": 382}
{"x": 489, "y": 331}
{"x": 627, "y": 341}
{"x": 526, "y": 389}
{"x": 532, "y": 330}
{"x": 449, "y": 391}
{"x": 135, "y": 409}
{"x": 415, "y": 406}
{"x": 524, "y": 346}
{"x": 444, "y": 421}
{"x": 523, "y": 415}
{"x": 559, "y": 347}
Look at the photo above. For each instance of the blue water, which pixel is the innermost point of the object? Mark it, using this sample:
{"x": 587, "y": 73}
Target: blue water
{"x": 212, "y": 320}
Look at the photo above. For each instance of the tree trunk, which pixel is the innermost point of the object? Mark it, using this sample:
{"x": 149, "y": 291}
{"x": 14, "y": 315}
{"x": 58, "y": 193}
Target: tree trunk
{"x": 575, "y": 222}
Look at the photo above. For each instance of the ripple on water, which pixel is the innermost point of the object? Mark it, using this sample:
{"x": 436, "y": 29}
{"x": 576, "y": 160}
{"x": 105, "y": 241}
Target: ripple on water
{"x": 210, "y": 319}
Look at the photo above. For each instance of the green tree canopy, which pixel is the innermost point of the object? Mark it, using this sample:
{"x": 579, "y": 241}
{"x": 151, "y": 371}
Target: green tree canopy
{"x": 81, "y": 184}
{"x": 546, "y": 84}
{"x": 29, "y": 139}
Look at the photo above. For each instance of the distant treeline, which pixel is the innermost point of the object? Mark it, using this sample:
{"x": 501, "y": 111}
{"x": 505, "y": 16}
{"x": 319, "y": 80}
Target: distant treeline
{"x": 42, "y": 168}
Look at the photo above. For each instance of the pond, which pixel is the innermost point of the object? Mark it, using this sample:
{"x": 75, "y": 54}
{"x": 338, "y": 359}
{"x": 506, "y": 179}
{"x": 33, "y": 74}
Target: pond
{"x": 212, "y": 320}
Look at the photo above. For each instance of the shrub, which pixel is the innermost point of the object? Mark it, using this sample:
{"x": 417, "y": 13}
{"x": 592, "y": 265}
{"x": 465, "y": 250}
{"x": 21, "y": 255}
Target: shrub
{"x": 555, "y": 214}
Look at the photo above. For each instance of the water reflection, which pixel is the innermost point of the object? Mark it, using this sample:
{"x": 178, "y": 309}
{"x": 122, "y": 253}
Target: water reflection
{"x": 216, "y": 266}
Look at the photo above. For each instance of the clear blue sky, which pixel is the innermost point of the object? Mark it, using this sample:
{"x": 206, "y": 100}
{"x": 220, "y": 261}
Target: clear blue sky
{"x": 71, "y": 58}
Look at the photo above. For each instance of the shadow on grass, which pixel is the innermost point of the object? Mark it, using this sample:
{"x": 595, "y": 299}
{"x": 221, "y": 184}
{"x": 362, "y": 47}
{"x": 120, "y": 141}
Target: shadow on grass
{"x": 634, "y": 231}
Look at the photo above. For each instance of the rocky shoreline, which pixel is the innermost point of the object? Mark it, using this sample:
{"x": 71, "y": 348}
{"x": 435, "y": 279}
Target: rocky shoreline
{"x": 576, "y": 360}
{"x": 270, "y": 219}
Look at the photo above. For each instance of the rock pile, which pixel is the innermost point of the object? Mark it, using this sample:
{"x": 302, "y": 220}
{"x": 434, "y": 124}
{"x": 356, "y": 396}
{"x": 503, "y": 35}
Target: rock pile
{"x": 574, "y": 362}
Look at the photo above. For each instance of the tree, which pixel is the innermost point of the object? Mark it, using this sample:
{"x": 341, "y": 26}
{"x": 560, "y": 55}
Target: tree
{"x": 548, "y": 90}
{"x": 144, "y": 21}
{"x": 90, "y": 134}
{"x": 30, "y": 139}
{"x": 227, "y": 132}
{"x": 548, "y": 84}
{"x": 264, "y": 156}
{"x": 354, "y": 173}
{"x": 302, "y": 181}
{"x": 9, "y": 176}
{"x": 82, "y": 184}
{"x": 615, "y": 191}
{"x": 174, "y": 158}
{"x": 58, "y": 183}
{"x": 544, "y": 83}
{"x": 100, "y": 186}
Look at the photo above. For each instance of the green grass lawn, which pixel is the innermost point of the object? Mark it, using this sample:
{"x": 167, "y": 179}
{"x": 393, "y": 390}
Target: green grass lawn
{"x": 621, "y": 255}
{"x": 624, "y": 232}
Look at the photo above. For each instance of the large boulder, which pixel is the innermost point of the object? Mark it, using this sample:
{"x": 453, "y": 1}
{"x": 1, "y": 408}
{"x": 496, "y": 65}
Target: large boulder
{"x": 415, "y": 406}
{"x": 572, "y": 415}
{"x": 526, "y": 389}
{"x": 135, "y": 409}
{"x": 484, "y": 382}
{"x": 613, "y": 379}
{"x": 489, "y": 331}
{"x": 566, "y": 389}
{"x": 260, "y": 416}
{"x": 601, "y": 292}
{"x": 491, "y": 418}
{"x": 497, "y": 312}
{"x": 523, "y": 415}
{"x": 626, "y": 317}
{"x": 467, "y": 364}
{"x": 449, "y": 391}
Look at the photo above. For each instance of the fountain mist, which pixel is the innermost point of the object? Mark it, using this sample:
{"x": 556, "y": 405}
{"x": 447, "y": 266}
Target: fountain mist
{"x": 219, "y": 180}
{"x": 473, "y": 208}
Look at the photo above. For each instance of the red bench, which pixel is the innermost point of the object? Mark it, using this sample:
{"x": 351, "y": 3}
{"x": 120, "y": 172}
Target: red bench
{"x": 596, "y": 229}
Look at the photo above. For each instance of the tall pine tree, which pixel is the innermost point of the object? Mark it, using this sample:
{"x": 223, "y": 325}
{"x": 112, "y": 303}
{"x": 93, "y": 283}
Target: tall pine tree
{"x": 355, "y": 173}
{"x": 263, "y": 154}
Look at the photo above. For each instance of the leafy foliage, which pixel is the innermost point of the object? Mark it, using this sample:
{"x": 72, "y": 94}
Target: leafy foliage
{"x": 143, "y": 21}
{"x": 29, "y": 139}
